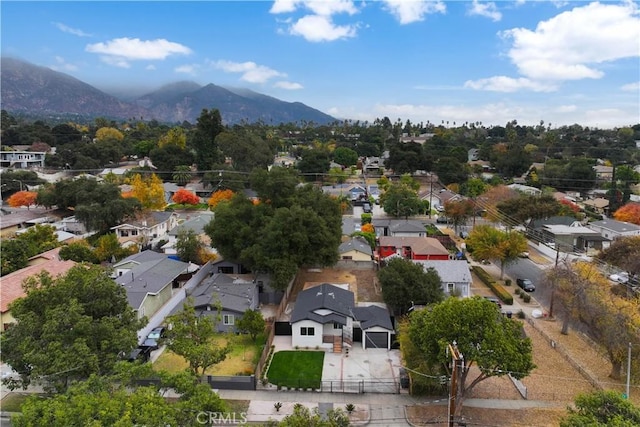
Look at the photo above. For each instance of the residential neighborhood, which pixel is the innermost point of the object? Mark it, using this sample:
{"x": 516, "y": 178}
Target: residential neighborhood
{"x": 270, "y": 274}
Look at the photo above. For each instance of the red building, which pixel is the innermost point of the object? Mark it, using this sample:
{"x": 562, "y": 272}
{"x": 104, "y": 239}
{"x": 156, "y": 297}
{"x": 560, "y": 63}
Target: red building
{"x": 417, "y": 248}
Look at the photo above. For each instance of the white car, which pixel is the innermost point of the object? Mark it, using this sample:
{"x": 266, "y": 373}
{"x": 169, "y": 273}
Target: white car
{"x": 622, "y": 277}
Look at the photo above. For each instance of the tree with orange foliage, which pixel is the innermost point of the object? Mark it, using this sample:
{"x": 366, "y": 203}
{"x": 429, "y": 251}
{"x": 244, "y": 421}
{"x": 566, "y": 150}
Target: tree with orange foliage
{"x": 629, "y": 213}
{"x": 367, "y": 228}
{"x": 22, "y": 198}
{"x": 185, "y": 197}
{"x": 219, "y": 196}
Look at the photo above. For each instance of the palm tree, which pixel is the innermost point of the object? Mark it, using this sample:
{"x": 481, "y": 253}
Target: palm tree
{"x": 182, "y": 174}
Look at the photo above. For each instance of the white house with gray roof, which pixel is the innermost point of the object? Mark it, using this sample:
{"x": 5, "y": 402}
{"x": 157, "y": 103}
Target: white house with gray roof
{"x": 455, "y": 276}
{"x": 612, "y": 229}
{"x": 148, "y": 278}
{"x": 196, "y": 224}
{"x": 325, "y": 316}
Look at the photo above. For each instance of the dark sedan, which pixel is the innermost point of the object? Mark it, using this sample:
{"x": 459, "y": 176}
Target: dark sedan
{"x": 526, "y": 284}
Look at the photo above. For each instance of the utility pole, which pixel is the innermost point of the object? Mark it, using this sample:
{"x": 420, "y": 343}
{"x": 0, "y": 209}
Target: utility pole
{"x": 430, "y": 192}
{"x": 457, "y": 360}
{"x": 628, "y": 369}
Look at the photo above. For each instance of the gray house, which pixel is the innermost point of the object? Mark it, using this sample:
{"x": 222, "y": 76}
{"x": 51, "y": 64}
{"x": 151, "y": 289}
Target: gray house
{"x": 148, "y": 278}
{"x": 234, "y": 294}
{"x": 455, "y": 277}
{"x": 399, "y": 227}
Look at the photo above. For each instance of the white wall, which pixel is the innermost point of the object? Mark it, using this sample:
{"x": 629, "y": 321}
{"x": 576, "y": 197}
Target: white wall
{"x": 306, "y": 340}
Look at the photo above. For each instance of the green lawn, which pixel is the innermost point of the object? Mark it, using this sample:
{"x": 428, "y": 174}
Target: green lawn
{"x": 13, "y": 401}
{"x": 296, "y": 369}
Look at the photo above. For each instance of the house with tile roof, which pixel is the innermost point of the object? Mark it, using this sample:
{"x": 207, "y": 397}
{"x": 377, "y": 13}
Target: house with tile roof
{"x": 11, "y": 284}
{"x": 326, "y": 316}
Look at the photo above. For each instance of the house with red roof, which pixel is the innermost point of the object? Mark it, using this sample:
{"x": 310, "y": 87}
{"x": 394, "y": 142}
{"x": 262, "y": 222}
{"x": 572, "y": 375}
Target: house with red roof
{"x": 415, "y": 248}
{"x": 11, "y": 284}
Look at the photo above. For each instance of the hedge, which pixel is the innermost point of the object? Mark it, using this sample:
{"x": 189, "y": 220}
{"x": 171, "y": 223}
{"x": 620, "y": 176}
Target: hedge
{"x": 497, "y": 289}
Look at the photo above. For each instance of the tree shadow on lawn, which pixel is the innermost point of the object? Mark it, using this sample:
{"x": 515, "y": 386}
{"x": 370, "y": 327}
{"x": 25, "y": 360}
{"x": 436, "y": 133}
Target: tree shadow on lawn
{"x": 242, "y": 360}
{"x": 296, "y": 369}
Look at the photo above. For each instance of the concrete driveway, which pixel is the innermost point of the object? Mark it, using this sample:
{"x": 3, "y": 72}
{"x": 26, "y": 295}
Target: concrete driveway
{"x": 371, "y": 370}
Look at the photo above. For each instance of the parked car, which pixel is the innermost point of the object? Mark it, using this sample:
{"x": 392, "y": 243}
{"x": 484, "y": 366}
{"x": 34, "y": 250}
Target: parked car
{"x": 622, "y": 277}
{"x": 149, "y": 344}
{"x": 495, "y": 300}
{"x": 156, "y": 333}
{"x": 526, "y": 284}
{"x": 366, "y": 207}
{"x": 442, "y": 219}
{"x": 524, "y": 254}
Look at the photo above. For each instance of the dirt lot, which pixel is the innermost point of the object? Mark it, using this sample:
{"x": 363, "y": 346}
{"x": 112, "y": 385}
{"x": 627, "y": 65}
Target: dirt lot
{"x": 363, "y": 283}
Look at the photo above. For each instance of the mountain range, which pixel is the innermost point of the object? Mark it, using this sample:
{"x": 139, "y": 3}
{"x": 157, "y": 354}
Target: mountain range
{"x": 35, "y": 90}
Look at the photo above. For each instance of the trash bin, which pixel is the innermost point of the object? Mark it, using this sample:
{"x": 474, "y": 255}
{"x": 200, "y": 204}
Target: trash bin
{"x": 509, "y": 314}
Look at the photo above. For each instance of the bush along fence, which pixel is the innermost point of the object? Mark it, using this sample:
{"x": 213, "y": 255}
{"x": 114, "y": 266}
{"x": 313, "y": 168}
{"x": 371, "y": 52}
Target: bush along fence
{"x": 497, "y": 289}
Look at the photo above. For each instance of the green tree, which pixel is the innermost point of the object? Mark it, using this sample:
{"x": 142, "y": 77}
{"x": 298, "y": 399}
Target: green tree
{"x": 16, "y": 252}
{"x": 191, "y": 336}
{"x": 247, "y": 150}
{"x": 303, "y": 416}
{"x": 405, "y": 284}
{"x": 118, "y": 400}
{"x": 602, "y": 408}
{"x": 189, "y": 246}
{"x": 345, "y": 156}
{"x": 284, "y": 231}
{"x": 486, "y": 339}
{"x": 182, "y": 174}
{"x": 314, "y": 162}
{"x": 400, "y": 200}
{"x": 488, "y": 242}
{"x": 251, "y": 323}
{"x": 79, "y": 252}
{"x": 208, "y": 127}
{"x": 526, "y": 208}
{"x": 108, "y": 248}
{"x": 68, "y": 328}
{"x": 168, "y": 158}
{"x": 450, "y": 170}
{"x": 624, "y": 253}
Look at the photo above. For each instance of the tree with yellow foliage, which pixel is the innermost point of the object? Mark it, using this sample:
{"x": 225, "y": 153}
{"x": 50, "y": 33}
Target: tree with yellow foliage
{"x": 219, "y": 196}
{"x": 586, "y": 297}
{"x": 175, "y": 136}
{"x": 108, "y": 133}
{"x": 149, "y": 191}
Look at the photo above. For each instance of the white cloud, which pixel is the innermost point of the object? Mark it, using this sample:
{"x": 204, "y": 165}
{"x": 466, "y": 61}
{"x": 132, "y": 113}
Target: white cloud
{"x": 319, "y": 28}
{"x": 288, "y": 85}
{"x": 570, "y": 45}
{"x": 186, "y": 69}
{"x": 565, "y": 109}
{"x": 284, "y": 6}
{"x": 318, "y": 7}
{"x": 486, "y": 9}
{"x": 66, "y": 29}
{"x": 408, "y": 11}
{"x": 631, "y": 87}
{"x": 509, "y": 84}
{"x": 119, "y": 52}
{"x": 150, "y": 67}
{"x": 62, "y": 65}
{"x": 251, "y": 72}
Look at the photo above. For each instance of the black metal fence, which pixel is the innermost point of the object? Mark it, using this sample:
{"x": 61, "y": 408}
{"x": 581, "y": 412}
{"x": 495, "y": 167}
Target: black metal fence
{"x": 238, "y": 382}
{"x": 388, "y": 386}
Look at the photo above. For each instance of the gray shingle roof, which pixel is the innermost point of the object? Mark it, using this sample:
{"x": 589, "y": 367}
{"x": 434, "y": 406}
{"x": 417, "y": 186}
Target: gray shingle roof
{"x": 339, "y": 301}
{"x": 149, "y": 277}
{"x": 449, "y": 271}
{"x": 194, "y": 224}
{"x": 355, "y": 244}
{"x": 373, "y": 315}
{"x": 617, "y": 226}
{"x": 234, "y": 295}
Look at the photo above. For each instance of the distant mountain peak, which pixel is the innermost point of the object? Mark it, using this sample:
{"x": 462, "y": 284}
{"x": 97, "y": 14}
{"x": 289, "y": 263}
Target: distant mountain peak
{"x": 40, "y": 90}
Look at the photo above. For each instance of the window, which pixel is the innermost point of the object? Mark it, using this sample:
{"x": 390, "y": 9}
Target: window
{"x": 307, "y": 331}
{"x": 227, "y": 319}
{"x": 337, "y": 325}
{"x": 451, "y": 287}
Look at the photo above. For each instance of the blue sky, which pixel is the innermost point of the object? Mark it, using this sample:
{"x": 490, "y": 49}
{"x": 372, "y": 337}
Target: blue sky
{"x": 457, "y": 61}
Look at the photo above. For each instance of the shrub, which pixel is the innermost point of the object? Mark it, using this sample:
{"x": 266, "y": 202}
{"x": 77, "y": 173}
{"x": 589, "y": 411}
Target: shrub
{"x": 521, "y": 314}
{"x": 527, "y": 298}
{"x": 518, "y": 291}
{"x": 497, "y": 289}
{"x": 507, "y": 282}
{"x": 350, "y": 407}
